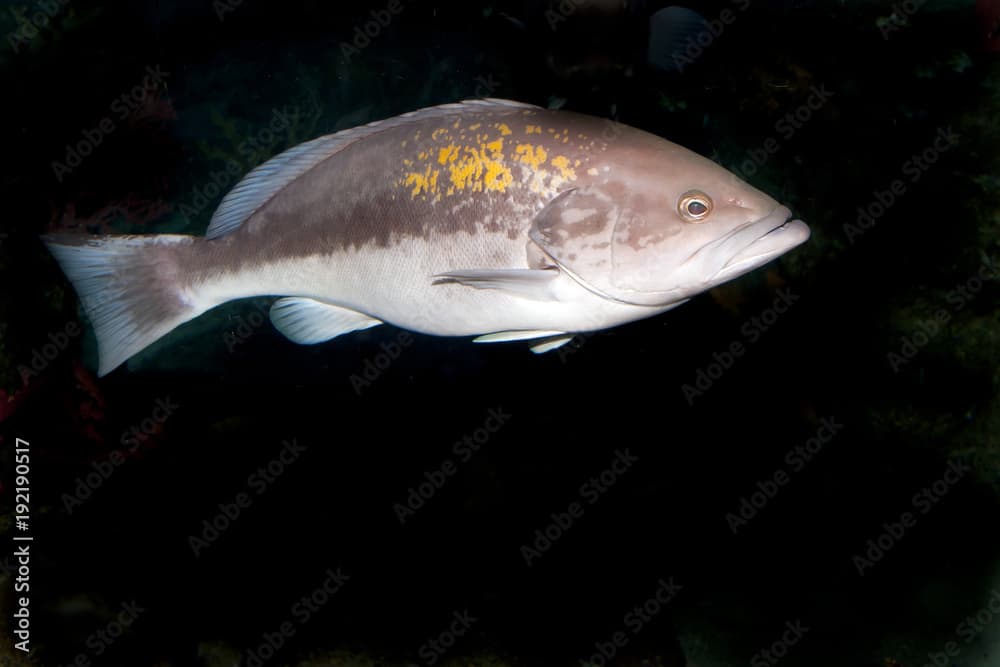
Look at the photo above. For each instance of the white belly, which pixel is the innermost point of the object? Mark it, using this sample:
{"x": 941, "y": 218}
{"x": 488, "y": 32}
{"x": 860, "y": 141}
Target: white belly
{"x": 395, "y": 284}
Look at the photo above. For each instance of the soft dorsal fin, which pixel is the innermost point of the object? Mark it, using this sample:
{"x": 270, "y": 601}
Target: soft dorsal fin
{"x": 265, "y": 181}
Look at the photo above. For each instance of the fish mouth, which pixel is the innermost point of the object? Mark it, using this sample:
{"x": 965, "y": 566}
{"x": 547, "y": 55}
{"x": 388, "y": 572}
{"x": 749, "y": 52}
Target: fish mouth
{"x": 757, "y": 243}
{"x": 743, "y": 249}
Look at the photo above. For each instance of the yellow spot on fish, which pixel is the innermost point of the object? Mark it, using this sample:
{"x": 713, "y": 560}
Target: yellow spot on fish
{"x": 498, "y": 177}
{"x": 481, "y": 165}
{"x": 480, "y": 168}
{"x": 531, "y": 155}
{"x": 457, "y": 123}
{"x": 422, "y": 183}
{"x": 463, "y": 172}
{"x": 592, "y": 172}
{"x": 448, "y": 154}
{"x": 561, "y": 162}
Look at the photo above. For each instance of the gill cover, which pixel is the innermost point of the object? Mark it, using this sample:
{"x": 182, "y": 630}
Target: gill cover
{"x": 606, "y": 246}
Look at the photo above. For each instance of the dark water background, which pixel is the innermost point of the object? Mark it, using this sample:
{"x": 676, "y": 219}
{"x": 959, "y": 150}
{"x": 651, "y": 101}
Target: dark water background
{"x": 861, "y": 294}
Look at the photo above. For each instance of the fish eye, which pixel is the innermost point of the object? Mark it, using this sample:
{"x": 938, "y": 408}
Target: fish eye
{"x": 694, "y": 206}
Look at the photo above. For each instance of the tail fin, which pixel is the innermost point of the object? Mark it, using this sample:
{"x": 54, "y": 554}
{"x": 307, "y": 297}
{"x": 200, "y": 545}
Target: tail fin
{"x": 129, "y": 287}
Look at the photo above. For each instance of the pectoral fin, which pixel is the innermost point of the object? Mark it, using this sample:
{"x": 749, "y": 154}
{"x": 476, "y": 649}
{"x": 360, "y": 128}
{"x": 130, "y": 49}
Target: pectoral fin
{"x": 306, "y": 321}
{"x": 529, "y": 283}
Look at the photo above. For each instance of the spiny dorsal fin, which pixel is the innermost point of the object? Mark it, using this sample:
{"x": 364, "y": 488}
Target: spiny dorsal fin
{"x": 264, "y": 182}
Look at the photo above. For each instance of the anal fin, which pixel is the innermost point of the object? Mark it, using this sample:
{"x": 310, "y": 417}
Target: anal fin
{"x": 307, "y": 321}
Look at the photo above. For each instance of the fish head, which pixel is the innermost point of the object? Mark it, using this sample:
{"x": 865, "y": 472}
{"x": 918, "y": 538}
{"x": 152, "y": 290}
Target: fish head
{"x": 660, "y": 224}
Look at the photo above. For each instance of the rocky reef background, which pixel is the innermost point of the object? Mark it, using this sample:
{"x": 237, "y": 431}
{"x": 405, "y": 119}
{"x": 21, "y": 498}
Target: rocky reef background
{"x": 827, "y": 496}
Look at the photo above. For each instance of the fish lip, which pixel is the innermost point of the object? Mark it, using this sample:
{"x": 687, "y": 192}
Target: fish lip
{"x": 765, "y": 239}
{"x": 775, "y": 231}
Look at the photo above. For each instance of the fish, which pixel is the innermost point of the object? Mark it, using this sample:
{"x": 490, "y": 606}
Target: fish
{"x": 488, "y": 218}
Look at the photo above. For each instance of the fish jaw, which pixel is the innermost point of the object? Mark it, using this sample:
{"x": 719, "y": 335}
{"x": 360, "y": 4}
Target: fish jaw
{"x": 760, "y": 242}
{"x": 740, "y": 251}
